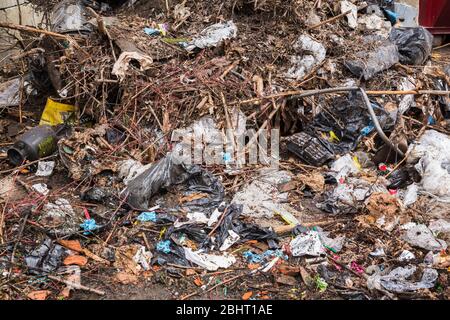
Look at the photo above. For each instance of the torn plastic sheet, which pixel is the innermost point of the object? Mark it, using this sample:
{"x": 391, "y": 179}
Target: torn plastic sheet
{"x": 99, "y": 195}
{"x": 397, "y": 279}
{"x": 315, "y": 243}
{"x": 440, "y": 260}
{"x": 342, "y": 167}
{"x": 410, "y": 195}
{"x": 61, "y": 217}
{"x": 314, "y": 54}
{"x": 89, "y": 225}
{"x": 352, "y": 17}
{"x": 9, "y": 92}
{"x": 378, "y": 252}
{"x": 147, "y": 216}
{"x": 216, "y": 214}
{"x": 45, "y": 258}
{"x": 431, "y": 156}
{"x": 213, "y": 35}
{"x": 376, "y": 23}
{"x": 347, "y": 196}
{"x": 193, "y": 231}
{"x": 261, "y": 197}
{"x": 444, "y": 101}
{"x": 166, "y": 173}
{"x": 414, "y": 44}
{"x": 208, "y": 261}
{"x": 200, "y": 134}
{"x": 307, "y": 244}
{"x": 233, "y": 237}
{"x": 56, "y": 113}
{"x": 418, "y": 235}
{"x": 163, "y": 246}
{"x": 368, "y": 63}
{"x": 408, "y": 15}
{"x": 439, "y": 226}
{"x": 70, "y": 16}
{"x": 130, "y": 169}
{"x": 122, "y": 64}
{"x": 402, "y": 177}
{"x": 193, "y": 218}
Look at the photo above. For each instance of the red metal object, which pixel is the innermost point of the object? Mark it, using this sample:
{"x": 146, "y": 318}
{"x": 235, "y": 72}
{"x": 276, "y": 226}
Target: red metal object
{"x": 435, "y": 16}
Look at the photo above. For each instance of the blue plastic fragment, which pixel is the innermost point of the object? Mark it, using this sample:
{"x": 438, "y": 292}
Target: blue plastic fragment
{"x": 366, "y": 130}
{"x": 227, "y": 156}
{"x": 89, "y": 225}
{"x": 431, "y": 120}
{"x": 152, "y": 31}
{"x": 391, "y": 15}
{"x": 258, "y": 258}
{"x": 147, "y": 216}
{"x": 252, "y": 257}
{"x": 163, "y": 246}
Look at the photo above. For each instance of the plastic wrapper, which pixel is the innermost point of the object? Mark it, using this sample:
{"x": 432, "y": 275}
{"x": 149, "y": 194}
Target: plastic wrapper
{"x": 56, "y": 113}
{"x": 213, "y": 35}
{"x": 70, "y": 16}
{"x": 411, "y": 195}
{"x": 414, "y": 44}
{"x": 418, "y": 235}
{"x": 123, "y": 63}
{"x": 166, "y": 173}
{"x": 45, "y": 258}
{"x": 313, "y": 54}
{"x": 348, "y": 197}
{"x": 368, "y": 63}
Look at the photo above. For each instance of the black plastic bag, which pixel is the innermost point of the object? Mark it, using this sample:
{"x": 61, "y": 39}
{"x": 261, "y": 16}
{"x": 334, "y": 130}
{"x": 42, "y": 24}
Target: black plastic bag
{"x": 175, "y": 256}
{"x": 193, "y": 231}
{"x": 414, "y": 44}
{"x": 246, "y": 231}
{"x": 347, "y": 118}
{"x": 444, "y": 101}
{"x": 402, "y": 178}
{"x": 166, "y": 173}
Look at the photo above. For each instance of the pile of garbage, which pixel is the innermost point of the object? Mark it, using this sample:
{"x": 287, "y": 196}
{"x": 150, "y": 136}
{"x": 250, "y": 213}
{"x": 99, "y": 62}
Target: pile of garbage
{"x": 236, "y": 150}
